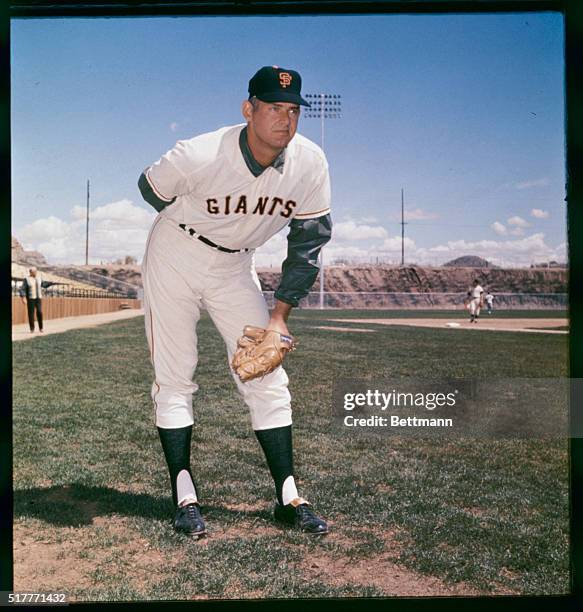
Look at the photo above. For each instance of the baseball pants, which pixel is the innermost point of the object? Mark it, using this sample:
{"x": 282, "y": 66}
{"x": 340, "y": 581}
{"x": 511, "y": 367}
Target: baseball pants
{"x": 475, "y": 307}
{"x": 181, "y": 275}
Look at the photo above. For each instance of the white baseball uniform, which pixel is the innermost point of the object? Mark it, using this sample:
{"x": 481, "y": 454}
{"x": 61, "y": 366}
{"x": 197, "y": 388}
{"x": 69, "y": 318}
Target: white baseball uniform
{"x": 475, "y": 297}
{"x": 212, "y": 194}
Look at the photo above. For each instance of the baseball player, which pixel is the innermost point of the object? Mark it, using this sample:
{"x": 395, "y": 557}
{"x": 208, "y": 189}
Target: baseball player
{"x": 476, "y": 301}
{"x": 489, "y": 302}
{"x": 220, "y": 195}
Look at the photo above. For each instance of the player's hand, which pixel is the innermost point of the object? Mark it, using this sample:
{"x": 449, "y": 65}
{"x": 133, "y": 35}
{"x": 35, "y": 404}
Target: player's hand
{"x": 278, "y": 320}
{"x": 279, "y": 325}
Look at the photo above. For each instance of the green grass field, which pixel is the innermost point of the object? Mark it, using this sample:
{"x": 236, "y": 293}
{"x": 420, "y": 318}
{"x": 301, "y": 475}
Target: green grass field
{"x": 408, "y": 516}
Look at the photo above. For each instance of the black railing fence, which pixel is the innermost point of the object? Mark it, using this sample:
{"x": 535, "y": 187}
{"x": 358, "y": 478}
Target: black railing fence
{"x": 75, "y": 292}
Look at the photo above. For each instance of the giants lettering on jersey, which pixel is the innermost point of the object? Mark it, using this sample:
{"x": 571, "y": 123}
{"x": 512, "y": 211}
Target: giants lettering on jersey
{"x": 264, "y": 206}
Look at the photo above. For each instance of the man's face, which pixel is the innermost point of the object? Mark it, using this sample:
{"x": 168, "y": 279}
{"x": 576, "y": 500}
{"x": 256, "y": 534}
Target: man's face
{"x": 273, "y": 123}
{"x": 33, "y": 272}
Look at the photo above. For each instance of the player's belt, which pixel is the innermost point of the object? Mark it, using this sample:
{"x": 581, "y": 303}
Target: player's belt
{"x": 202, "y": 238}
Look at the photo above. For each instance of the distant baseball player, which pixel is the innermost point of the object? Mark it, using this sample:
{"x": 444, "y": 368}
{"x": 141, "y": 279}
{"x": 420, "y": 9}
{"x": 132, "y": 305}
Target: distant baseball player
{"x": 221, "y": 195}
{"x": 476, "y": 301}
{"x": 489, "y": 302}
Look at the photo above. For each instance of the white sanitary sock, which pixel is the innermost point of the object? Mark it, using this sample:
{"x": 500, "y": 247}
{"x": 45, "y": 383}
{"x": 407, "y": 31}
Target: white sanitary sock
{"x": 288, "y": 490}
{"x": 185, "y": 487}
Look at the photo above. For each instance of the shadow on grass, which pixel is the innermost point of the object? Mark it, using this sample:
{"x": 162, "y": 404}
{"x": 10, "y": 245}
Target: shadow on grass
{"x": 76, "y": 504}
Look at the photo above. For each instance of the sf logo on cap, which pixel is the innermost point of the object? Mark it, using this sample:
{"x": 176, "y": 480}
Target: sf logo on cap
{"x": 285, "y": 79}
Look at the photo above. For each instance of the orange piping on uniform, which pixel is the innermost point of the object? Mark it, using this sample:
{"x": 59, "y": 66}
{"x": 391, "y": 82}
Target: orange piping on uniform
{"x": 152, "y": 322}
{"x": 154, "y": 188}
{"x": 152, "y": 358}
{"x": 316, "y": 212}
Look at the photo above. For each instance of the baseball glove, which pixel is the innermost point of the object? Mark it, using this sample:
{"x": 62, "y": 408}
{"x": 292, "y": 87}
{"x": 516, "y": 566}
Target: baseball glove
{"x": 259, "y": 352}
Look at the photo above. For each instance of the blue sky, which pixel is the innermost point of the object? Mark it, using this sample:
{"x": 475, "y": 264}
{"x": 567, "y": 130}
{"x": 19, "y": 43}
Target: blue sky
{"x": 465, "y": 112}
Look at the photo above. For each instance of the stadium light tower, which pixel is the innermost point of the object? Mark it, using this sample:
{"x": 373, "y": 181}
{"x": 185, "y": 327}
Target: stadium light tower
{"x": 323, "y": 106}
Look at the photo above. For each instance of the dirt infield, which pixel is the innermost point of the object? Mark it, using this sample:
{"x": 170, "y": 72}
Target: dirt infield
{"x": 550, "y": 325}
{"x": 545, "y": 326}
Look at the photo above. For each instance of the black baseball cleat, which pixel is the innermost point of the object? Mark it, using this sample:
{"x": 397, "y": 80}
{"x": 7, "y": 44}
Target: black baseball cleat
{"x": 188, "y": 520}
{"x": 299, "y": 514}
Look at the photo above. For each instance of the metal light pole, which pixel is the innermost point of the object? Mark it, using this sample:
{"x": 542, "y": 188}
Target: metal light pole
{"x": 87, "y": 229}
{"x": 323, "y": 106}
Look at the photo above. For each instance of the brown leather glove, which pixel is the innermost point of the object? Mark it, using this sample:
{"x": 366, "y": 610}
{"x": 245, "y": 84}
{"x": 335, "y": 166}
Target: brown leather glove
{"x": 259, "y": 352}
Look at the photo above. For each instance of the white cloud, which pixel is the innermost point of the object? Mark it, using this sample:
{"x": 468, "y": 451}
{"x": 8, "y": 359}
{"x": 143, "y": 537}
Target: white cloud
{"x": 120, "y": 228}
{"x": 346, "y": 243}
{"x": 440, "y": 248}
{"x": 41, "y": 229}
{"x": 394, "y": 245}
{"x": 115, "y": 230}
{"x": 274, "y": 251}
{"x": 517, "y": 221}
{"x": 517, "y": 231}
{"x": 539, "y": 213}
{"x": 350, "y": 230}
{"x": 347, "y": 252}
{"x": 519, "y": 252}
{"x": 414, "y": 214}
{"x": 510, "y": 252}
{"x": 418, "y": 214}
{"x": 542, "y": 182}
{"x": 499, "y": 228}
{"x": 123, "y": 212}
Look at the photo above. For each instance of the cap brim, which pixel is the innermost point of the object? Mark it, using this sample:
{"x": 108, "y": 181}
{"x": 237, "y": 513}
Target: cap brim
{"x": 282, "y": 96}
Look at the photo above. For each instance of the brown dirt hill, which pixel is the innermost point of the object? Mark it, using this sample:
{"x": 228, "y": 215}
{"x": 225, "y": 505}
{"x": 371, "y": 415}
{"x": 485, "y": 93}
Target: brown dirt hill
{"x": 423, "y": 280}
{"x": 126, "y": 274}
{"x": 469, "y": 261}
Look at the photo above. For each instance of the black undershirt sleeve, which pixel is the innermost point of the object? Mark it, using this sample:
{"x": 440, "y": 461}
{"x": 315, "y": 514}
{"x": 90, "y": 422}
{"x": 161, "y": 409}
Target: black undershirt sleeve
{"x": 300, "y": 268}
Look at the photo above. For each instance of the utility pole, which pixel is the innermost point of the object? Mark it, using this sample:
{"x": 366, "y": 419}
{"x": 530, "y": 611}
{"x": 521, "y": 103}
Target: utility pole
{"x": 403, "y": 227}
{"x": 323, "y": 106}
{"x": 87, "y": 229}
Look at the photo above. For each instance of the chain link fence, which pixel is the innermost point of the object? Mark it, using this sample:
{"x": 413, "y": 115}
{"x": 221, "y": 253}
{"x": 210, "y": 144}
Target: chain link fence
{"x": 426, "y": 301}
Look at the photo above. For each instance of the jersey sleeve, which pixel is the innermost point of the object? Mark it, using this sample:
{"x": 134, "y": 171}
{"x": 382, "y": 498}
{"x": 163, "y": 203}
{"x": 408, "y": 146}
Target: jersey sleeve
{"x": 317, "y": 203}
{"x": 168, "y": 178}
{"x": 300, "y": 268}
